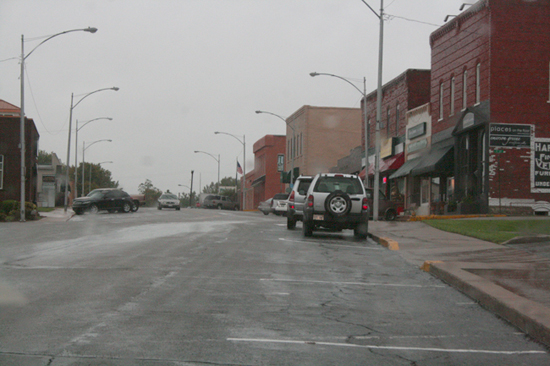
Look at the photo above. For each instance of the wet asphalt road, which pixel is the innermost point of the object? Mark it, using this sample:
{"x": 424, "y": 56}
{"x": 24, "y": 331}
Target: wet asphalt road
{"x": 195, "y": 287}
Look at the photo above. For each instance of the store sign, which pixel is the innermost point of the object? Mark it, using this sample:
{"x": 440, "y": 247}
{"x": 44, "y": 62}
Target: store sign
{"x": 417, "y": 145}
{"x": 48, "y": 181}
{"x": 280, "y": 163}
{"x": 416, "y": 131}
{"x": 540, "y": 166}
{"x": 509, "y": 135}
{"x": 386, "y": 149}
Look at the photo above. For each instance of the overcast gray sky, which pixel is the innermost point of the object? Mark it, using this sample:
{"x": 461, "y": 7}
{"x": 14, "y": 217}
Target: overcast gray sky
{"x": 187, "y": 68}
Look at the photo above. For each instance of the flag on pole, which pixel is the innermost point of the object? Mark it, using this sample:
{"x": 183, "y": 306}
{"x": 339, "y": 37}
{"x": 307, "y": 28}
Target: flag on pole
{"x": 239, "y": 169}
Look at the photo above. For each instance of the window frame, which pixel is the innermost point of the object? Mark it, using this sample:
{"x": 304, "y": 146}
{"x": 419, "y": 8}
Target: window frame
{"x": 478, "y": 83}
{"x": 452, "y": 112}
{"x": 465, "y": 90}
{"x": 440, "y": 101}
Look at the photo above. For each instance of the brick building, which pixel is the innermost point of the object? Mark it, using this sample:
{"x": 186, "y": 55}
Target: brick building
{"x": 264, "y": 181}
{"x": 10, "y": 154}
{"x": 321, "y": 136}
{"x": 490, "y": 93}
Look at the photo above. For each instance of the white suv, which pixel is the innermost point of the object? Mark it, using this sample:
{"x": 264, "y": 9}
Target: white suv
{"x": 336, "y": 201}
{"x": 296, "y": 201}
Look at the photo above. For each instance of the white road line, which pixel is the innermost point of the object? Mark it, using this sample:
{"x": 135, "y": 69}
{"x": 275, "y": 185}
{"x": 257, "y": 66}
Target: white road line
{"x": 325, "y": 243}
{"x": 350, "y": 283}
{"x": 391, "y": 348}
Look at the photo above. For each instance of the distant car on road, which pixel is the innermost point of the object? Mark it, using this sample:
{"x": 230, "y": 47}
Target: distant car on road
{"x": 168, "y": 200}
{"x": 265, "y": 206}
{"x": 109, "y": 199}
{"x": 279, "y": 203}
{"x": 220, "y": 202}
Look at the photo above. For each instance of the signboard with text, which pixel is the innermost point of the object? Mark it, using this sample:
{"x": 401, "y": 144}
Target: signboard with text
{"x": 540, "y": 166}
{"x": 510, "y": 135}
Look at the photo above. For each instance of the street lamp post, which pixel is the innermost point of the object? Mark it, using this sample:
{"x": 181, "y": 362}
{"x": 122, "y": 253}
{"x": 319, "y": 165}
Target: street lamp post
{"x": 243, "y": 142}
{"x": 73, "y": 106}
{"x": 76, "y": 155}
{"x": 22, "y": 113}
{"x": 378, "y": 109}
{"x": 84, "y": 148}
{"x": 291, "y": 158}
{"x": 217, "y": 159}
{"x": 190, "y": 190}
{"x": 90, "y": 177}
{"x": 365, "y": 120}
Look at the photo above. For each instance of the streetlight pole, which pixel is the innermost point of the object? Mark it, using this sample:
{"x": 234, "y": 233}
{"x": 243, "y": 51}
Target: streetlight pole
{"x": 291, "y": 145}
{"x": 76, "y": 155}
{"x": 73, "y": 106}
{"x": 90, "y": 178}
{"x": 190, "y": 190}
{"x": 378, "y": 110}
{"x": 84, "y": 148}
{"x": 365, "y": 120}
{"x": 22, "y": 112}
{"x": 217, "y": 159}
{"x": 243, "y": 142}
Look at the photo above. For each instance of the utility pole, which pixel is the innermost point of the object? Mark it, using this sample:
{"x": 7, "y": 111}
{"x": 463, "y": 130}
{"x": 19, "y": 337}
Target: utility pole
{"x": 191, "y": 190}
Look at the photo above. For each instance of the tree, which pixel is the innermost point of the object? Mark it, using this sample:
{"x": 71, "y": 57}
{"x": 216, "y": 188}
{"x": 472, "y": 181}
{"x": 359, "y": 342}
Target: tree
{"x": 227, "y": 185}
{"x": 150, "y": 192}
{"x": 44, "y": 158}
{"x": 184, "y": 199}
{"x": 99, "y": 178}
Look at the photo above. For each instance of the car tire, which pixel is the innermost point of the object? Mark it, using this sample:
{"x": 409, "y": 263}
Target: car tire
{"x": 159, "y": 207}
{"x": 94, "y": 209}
{"x": 135, "y": 206}
{"x": 126, "y": 207}
{"x": 265, "y": 213}
{"x": 361, "y": 231}
{"x": 219, "y": 207}
{"x": 338, "y": 204}
{"x": 177, "y": 208}
{"x": 290, "y": 222}
{"x": 390, "y": 215}
{"x": 307, "y": 228}
{"x": 78, "y": 211}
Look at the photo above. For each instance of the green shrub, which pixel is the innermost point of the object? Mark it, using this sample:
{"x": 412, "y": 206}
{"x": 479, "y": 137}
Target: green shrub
{"x": 2, "y": 217}
{"x": 10, "y": 209}
{"x": 9, "y": 205}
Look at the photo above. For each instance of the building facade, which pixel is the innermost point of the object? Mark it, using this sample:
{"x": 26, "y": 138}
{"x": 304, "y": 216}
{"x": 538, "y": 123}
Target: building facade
{"x": 490, "y": 92}
{"x": 317, "y": 137}
{"x": 10, "y": 154}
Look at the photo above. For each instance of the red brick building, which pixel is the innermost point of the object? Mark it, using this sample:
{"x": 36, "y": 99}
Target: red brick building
{"x": 403, "y": 93}
{"x": 10, "y": 154}
{"x": 490, "y": 92}
{"x": 265, "y": 180}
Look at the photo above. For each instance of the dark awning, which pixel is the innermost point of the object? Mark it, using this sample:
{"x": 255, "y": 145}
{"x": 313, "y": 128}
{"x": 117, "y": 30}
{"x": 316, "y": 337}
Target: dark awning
{"x": 438, "y": 160}
{"x": 405, "y": 168}
{"x": 258, "y": 181}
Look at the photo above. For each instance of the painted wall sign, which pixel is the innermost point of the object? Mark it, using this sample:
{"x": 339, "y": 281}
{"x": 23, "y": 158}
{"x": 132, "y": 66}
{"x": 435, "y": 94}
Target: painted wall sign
{"x": 509, "y": 135}
{"x": 416, "y": 131}
{"x": 387, "y": 148}
{"x": 540, "y": 165}
{"x": 417, "y": 145}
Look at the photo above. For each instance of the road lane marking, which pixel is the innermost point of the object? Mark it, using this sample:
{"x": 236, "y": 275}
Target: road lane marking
{"x": 350, "y": 283}
{"x": 390, "y": 348}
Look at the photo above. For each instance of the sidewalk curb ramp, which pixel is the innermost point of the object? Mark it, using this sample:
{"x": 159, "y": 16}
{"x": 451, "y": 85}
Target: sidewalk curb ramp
{"x": 531, "y": 317}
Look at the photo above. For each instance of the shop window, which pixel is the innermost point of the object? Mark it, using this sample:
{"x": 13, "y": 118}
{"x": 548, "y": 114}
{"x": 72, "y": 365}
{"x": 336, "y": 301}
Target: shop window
{"x": 452, "y": 96}
{"x": 478, "y": 83}
{"x": 425, "y": 190}
{"x": 1, "y": 171}
{"x": 465, "y": 89}
{"x": 450, "y": 188}
{"x": 435, "y": 190}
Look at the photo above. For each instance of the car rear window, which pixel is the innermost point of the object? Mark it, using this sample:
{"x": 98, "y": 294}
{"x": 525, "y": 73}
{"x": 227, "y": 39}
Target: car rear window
{"x": 344, "y": 184}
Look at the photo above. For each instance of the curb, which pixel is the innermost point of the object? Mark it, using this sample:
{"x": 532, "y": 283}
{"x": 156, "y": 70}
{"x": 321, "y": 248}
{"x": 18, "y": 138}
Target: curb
{"x": 385, "y": 242}
{"x": 529, "y": 316}
{"x": 449, "y": 217}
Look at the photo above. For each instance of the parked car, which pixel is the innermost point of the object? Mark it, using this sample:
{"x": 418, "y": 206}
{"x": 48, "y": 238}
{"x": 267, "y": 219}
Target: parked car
{"x": 279, "y": 204}
{"x": 168, "y": 200}
{"x": 265, "y": 206}
{"x": 220, "y": 202}
{"x": 109, "y": 199}
{"x": 296, "y": 201}
{"x": 387, "y": 209}
{"x": 336, "y": 201}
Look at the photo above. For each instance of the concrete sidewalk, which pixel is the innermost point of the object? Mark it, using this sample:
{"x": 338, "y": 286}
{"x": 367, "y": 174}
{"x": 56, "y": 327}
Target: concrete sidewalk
{"x": 58, "y": 214}
{"x": 512, "y": 283}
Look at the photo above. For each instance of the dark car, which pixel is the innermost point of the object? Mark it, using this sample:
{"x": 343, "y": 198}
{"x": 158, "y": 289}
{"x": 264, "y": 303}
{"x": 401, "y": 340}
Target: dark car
{"x": 108, "y": 199}
{"x": 387, "y": 208}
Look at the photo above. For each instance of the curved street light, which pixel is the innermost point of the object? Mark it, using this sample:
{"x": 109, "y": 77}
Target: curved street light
{"x": 243, "y": 142}
{"x": 76, "y": 154}
{"x": 22, "y": 112}
{"x": 90, "y": 178}
{"x": 217, "y": 159}
{"x": 73, "y": 106}
{"x": 291, "y": 146}
{"x": 365, "y": 121}
{"x": 84, "y": 148}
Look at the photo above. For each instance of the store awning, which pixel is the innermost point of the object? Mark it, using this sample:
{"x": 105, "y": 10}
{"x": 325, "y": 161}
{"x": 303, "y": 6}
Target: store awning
{"x": 392, "y": 163}
{"x": 258, "y": 181}
{"x": 405, "y": 168}
{"x": 440, "y": 160}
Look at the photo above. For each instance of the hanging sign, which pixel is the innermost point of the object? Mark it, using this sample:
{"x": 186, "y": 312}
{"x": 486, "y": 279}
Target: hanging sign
{"x": 509, "y": 135}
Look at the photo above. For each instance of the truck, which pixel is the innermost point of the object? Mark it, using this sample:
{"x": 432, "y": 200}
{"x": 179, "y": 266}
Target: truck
{"x": 220, "y": 202}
